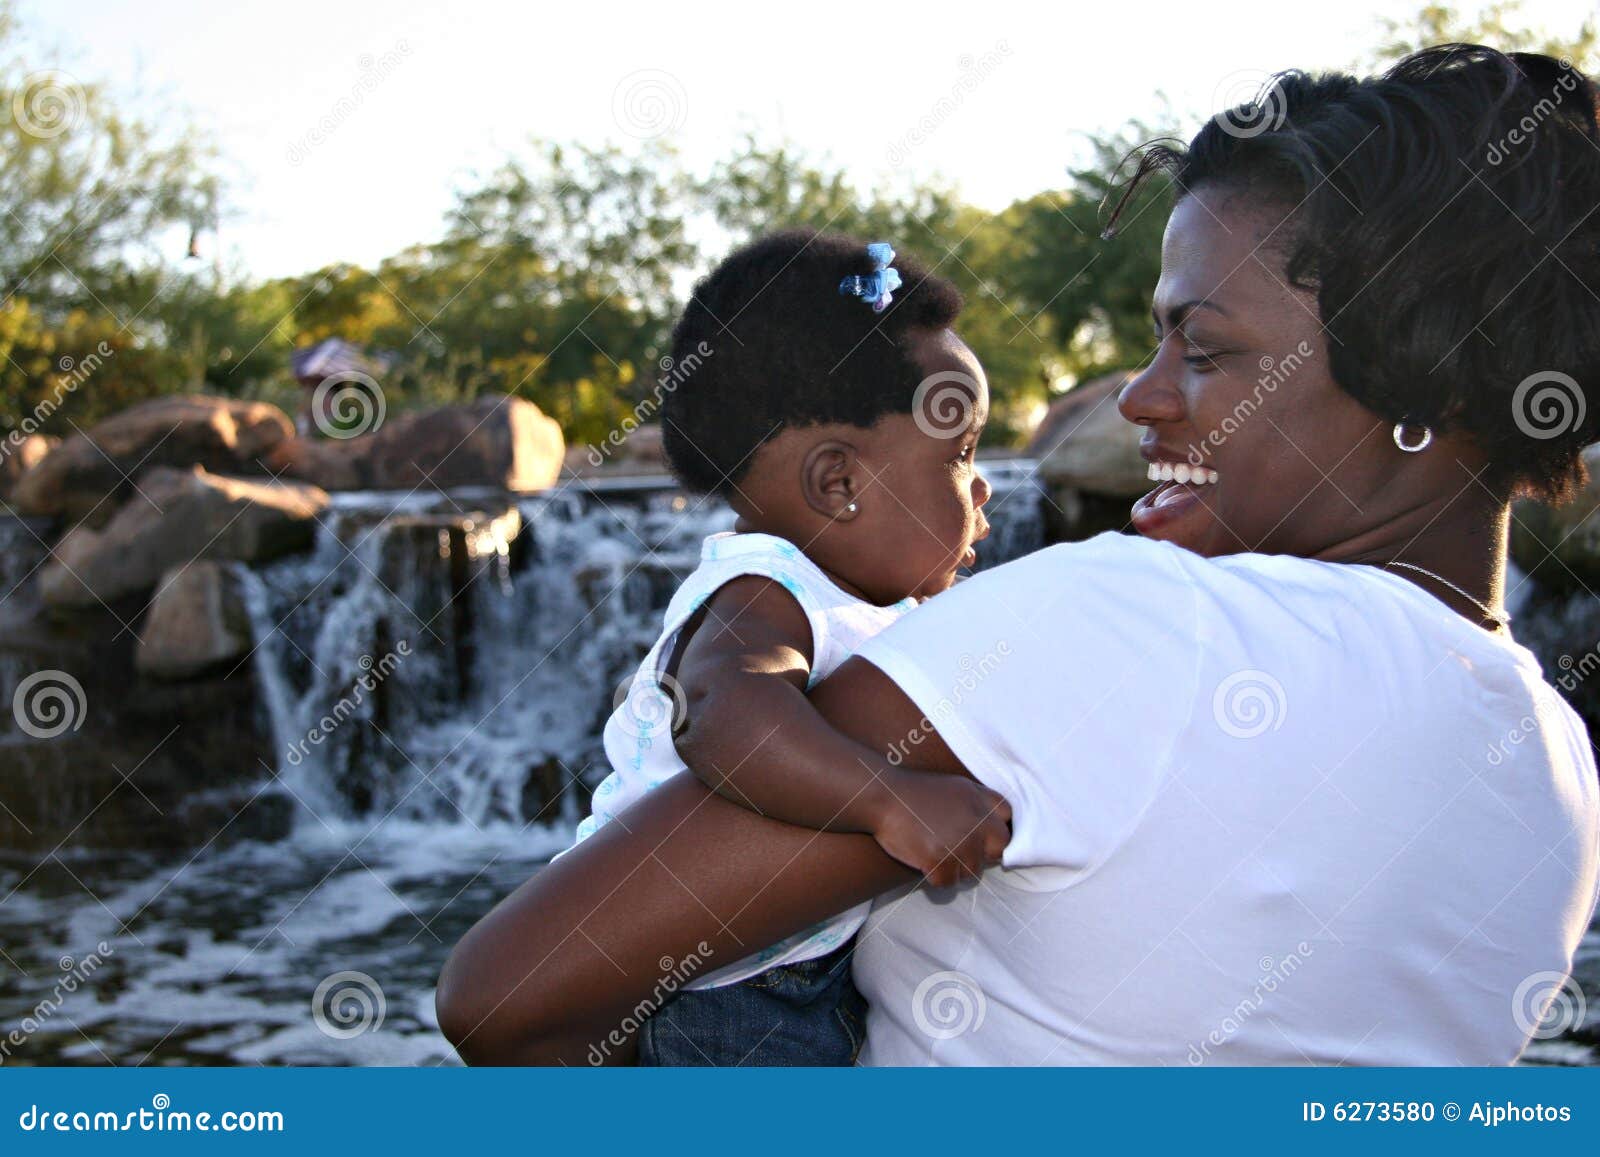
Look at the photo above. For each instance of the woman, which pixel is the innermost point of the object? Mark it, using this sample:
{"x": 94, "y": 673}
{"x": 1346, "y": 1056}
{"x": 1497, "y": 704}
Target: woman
{"x": 1284, "y": 789}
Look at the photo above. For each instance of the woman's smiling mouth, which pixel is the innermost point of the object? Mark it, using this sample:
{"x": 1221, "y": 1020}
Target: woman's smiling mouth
{"x": 1180, "y": 472}
{"x": 1177, "y": 492}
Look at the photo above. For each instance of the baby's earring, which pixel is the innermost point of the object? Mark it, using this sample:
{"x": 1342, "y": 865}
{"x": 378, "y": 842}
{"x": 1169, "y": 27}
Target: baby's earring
{"x": 852, "y": 508}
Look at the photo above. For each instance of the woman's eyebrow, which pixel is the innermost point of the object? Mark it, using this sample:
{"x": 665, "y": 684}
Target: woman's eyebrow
{"x": 1178, "y": 314}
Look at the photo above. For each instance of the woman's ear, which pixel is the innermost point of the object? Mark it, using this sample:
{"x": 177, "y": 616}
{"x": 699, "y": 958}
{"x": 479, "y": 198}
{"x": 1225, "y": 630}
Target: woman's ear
{"x": 829, "y": 480}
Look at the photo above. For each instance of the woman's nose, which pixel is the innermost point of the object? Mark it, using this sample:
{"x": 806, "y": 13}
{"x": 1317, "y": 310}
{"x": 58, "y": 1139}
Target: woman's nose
{"x": 1153, "y": 395}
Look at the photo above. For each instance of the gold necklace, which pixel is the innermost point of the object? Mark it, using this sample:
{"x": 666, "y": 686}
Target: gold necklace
{"x": 1499, "y": 618}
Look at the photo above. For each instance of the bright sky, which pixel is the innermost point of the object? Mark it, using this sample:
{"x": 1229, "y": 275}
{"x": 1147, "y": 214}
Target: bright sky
{"x": 468, "y": 81}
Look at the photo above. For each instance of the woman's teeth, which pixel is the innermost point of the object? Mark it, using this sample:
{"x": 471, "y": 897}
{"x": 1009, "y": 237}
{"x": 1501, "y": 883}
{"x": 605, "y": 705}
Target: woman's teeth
{"x": 1182, "y": 472}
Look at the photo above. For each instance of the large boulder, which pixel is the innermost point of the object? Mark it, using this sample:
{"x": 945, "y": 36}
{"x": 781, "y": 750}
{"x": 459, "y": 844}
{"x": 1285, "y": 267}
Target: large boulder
{"x": 493, "y": 441}
{"x": 1085, "y": 444}
{"x": 178, "y": 516}
{"x": 89, "y": 474}
{"x": 197, "y": 624}
{"x": 641, "y": 451}
{"x": 331, "y": 463}
{"x": 579, "y": 460}
{"x": 644, "y": 450}
{"x": 1560, "y": 545}
{"x": 20, "y": 453}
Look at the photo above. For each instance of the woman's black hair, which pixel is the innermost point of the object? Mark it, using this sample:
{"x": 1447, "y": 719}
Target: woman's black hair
{"x": 767, "y": 341}
{"x": 1447, "y": 215}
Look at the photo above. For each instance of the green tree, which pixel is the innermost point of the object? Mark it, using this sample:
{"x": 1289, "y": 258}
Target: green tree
{"x": 85, "y": 189}
{"x": 1499, "y": 25}
{"x": 554, "y": 281}
{"x": 764, "y": 188}
{"x": 1060, "y": 265}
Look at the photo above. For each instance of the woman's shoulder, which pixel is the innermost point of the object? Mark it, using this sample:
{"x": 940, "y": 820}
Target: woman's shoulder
{"x": 1113, "y": 592}
{"x": 1126, "y": 566}
{"x": 1114, "y": 552}
{"x": 1122, "y": 568}
{"x": 1111, "y": 549}
{"x": 1140, "y": 590}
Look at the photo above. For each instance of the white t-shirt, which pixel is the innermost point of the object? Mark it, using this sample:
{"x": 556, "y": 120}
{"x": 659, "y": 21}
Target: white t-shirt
{"x": 638, "y": 735}
{"x": 1267, "y": 811}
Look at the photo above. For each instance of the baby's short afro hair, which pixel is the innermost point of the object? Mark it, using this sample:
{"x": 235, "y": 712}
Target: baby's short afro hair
{"x": 767, "y": 341}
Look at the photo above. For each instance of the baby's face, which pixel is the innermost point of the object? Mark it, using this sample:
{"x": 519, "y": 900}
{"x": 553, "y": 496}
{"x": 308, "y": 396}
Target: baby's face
{"x": 921, "y": 505}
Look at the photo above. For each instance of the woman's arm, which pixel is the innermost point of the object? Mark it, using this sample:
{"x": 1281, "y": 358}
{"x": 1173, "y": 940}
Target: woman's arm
{"x": 564, "y": 968}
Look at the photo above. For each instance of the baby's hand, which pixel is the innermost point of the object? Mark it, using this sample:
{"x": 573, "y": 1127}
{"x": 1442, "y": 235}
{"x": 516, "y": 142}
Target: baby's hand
{"x": 947, "y": 827}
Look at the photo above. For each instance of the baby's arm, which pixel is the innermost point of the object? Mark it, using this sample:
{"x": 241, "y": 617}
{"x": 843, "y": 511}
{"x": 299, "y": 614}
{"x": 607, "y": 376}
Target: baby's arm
{"x": 752, "y": 737}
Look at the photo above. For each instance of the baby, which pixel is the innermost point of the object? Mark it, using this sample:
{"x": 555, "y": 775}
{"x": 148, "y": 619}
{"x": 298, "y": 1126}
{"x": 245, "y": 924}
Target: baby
{"x": 834, "y": 409}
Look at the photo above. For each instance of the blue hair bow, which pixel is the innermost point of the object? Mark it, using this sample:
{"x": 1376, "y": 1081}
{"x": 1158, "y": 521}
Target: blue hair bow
{"x": 875, "y": 288}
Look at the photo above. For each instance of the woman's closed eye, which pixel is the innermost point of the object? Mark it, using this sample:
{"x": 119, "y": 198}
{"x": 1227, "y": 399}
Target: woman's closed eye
{"x": 1199, "y": 356}
{"x": 1203, "y": 360}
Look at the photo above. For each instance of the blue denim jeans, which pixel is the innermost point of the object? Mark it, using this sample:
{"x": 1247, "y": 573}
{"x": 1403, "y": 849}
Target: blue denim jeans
{"x": 796, "y": 1014}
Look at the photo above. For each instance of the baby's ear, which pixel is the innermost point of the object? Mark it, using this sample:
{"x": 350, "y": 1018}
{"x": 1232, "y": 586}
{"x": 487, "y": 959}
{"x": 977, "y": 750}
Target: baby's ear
{"x": 830, "y": 479}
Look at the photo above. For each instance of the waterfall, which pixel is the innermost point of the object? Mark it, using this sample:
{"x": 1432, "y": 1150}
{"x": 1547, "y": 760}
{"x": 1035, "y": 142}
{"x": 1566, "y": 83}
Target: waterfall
{"x": 23, "y": 549}
{"x": 452, "y": 658}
